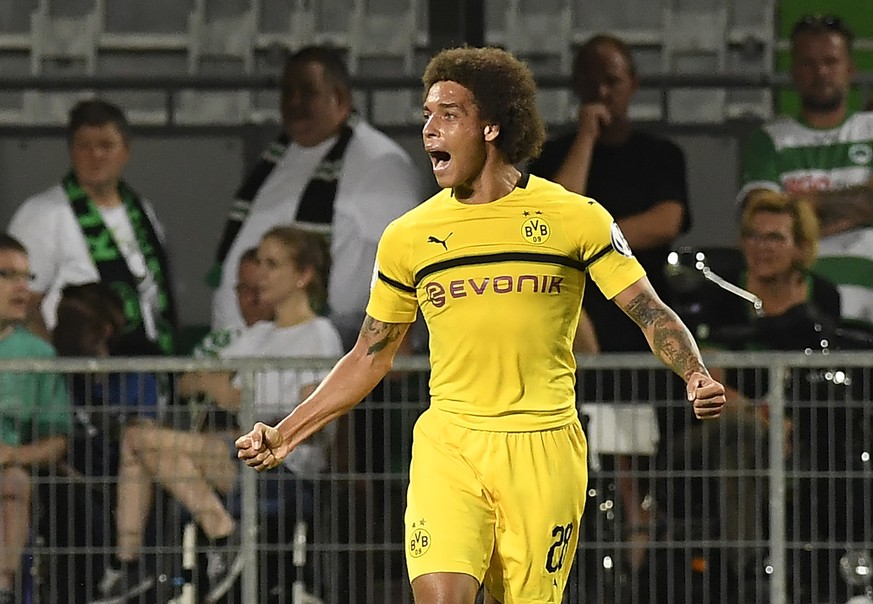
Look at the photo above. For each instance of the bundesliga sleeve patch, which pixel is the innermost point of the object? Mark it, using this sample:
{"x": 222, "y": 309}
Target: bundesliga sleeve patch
{"x": 619, "y": 243}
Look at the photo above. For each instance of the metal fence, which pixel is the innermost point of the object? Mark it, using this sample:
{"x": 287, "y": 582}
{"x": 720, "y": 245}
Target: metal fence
{"x": 772, "y": 503}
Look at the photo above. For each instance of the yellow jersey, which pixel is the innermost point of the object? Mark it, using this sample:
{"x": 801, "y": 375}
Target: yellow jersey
{"x": 500, "y": 287}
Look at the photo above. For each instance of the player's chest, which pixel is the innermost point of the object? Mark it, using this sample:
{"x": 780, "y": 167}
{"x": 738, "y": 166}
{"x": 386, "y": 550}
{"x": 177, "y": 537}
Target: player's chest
{"x": 518, "y": 259}
{"x": 522, "y": 231}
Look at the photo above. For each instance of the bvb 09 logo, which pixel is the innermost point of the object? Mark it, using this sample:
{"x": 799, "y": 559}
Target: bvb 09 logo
{"x": 419, "y": 543}
{"x": 535, "y": 230}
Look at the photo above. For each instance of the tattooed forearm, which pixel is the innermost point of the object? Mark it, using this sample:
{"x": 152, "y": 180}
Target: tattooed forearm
{"x": 675, "y": 347}
{"x": 645, "y": 312}
{"x": 668, "y": 337}
{"x": 379, "y": 335}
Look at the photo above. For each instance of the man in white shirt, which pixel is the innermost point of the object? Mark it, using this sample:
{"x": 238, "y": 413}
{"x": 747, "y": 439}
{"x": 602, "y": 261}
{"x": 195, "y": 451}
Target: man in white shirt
{"x": 329, "y": 171}
{"x": 93, "y": 227}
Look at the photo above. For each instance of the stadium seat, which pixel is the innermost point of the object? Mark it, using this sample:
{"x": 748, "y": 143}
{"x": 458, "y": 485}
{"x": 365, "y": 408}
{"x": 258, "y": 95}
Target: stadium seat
{"x": 223, "y": 44}
{"x": 542, "y": 36}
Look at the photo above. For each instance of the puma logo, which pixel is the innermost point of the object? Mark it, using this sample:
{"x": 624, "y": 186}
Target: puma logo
{"x": 442, "y": 242}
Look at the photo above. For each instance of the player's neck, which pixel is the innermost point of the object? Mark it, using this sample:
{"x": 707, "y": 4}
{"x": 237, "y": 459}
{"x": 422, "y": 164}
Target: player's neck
{"x": 496, "y": 180}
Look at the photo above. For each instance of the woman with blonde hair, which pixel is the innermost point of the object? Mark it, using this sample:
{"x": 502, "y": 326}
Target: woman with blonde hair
{"x": 779, "y": 242}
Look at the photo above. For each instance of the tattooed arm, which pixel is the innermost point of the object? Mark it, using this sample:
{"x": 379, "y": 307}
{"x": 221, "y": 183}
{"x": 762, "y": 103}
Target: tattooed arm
{"x": 843, "y": 209}
{"x": 839, "y": 210}
{"x": 671, "y": 342}
{"x": 668, "y": 337}
{"x": 348, "y": 382}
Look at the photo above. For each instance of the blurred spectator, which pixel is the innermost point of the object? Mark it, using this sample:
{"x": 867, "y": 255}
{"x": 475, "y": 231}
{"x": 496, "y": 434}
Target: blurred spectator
{"x": 90, "y": 317}
{"x": 779, "y": 240}
{"x": 251, "y": 307}
{"x": 650, "y": 205}
{"x": 329, "y": 171}
{"x": 94, "y": 227}
{"x": 826, "y": 154}
{"x": 90, "y": 320}
{"x": 198, "y": 467}
{"x": 195, "y": 468}
{"x": 293, "y": 268}
{"x": 34, "y": 416}
{"x": 640, "y": 179}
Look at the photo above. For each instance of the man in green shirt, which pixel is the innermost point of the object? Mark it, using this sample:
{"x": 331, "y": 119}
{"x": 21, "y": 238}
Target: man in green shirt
{"x": 825, "y": 155}
{"x": 34, "y": 414}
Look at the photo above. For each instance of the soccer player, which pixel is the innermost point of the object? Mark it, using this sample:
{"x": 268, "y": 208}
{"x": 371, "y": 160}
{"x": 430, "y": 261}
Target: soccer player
{"x": 496, "y": 262}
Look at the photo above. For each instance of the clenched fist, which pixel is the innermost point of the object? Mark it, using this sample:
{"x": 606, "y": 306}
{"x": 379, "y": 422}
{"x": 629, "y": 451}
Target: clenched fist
{"x": 706, "y": 395}
{"x": 263, "y": 448}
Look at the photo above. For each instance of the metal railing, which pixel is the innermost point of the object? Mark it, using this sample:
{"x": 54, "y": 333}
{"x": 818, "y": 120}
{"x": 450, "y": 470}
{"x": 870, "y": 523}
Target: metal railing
{"x": 809, "y": 467}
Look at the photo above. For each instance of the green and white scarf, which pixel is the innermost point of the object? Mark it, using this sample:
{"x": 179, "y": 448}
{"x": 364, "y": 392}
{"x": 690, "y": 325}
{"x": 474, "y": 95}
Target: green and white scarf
{"x": 316, "y": 203}
{"x": 113, "y": 268}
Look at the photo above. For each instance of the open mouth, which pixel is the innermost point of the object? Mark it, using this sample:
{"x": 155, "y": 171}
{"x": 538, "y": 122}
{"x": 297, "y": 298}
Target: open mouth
{"x": 439, "y": 159}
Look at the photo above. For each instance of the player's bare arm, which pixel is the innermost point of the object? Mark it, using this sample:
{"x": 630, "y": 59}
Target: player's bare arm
{"x": 671, "y": 342}
{"x": 356, "y": 374}
{"x": 668, "y": 336}
{"x": 381, "y": 335}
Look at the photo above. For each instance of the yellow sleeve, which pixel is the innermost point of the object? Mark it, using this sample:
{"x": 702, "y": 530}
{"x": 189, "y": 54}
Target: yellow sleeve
{"x": 605, "y": 251}
{"x": 392, "y": 292}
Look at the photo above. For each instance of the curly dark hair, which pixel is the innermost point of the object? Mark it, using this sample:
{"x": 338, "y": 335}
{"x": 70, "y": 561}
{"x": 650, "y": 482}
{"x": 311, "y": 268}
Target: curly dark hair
{"x": 504, "y": 91}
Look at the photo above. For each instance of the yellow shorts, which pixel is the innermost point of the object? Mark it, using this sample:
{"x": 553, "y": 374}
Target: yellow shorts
{"x": 503, "y": 507}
